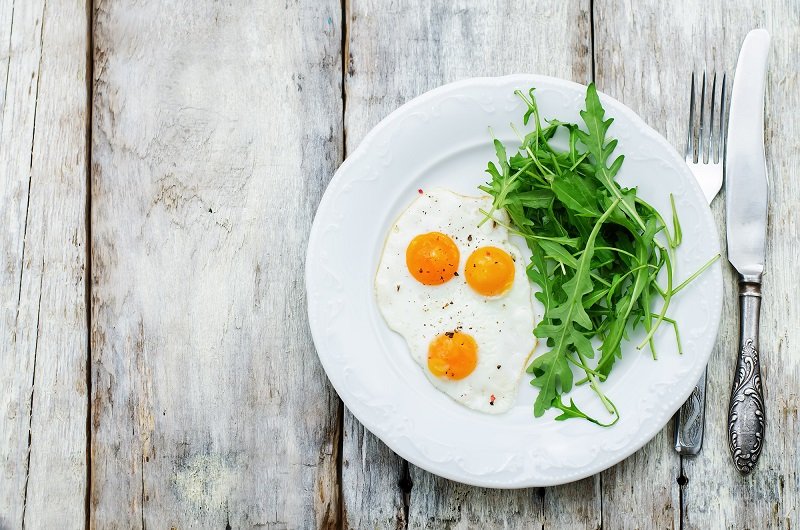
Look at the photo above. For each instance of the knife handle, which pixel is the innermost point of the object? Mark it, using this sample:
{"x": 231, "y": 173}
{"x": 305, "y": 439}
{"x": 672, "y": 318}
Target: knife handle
{"x": 746, "y": 419}
{"x": 690, "y": 421}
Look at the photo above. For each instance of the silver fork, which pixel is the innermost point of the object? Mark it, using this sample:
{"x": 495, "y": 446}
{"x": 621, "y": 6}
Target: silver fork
{"x": 706, "y": 160}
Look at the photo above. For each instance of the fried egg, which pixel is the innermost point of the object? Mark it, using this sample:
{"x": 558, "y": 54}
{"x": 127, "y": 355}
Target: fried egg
{"x": 458, "y": 294}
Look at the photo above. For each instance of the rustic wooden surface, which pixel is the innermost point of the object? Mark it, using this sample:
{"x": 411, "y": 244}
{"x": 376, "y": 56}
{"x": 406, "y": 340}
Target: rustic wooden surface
{"x": 216, "y": 127}
{"x": 214, "y": 130}
{"x": 43, "y": 192}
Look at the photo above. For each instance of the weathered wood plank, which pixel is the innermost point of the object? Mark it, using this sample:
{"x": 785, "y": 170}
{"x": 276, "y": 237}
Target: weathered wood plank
{"x": 18, "y": 339}
{"x": 646, "y": 59}
{"x": 217, "y": 126}
{"x": 440, "y": 503}
{"x": 437, "y": 43}
{"x": 43, "y": 351}
{"x": 642, "y": 490}
{"x": 372, "y": 480}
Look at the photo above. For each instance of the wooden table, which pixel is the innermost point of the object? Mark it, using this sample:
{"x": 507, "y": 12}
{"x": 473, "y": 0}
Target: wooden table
{"x": 160, "y": 166}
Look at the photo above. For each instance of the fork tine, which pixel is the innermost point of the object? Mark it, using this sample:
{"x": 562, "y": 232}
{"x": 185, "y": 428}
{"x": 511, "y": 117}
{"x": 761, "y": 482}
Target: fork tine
{"x": 701, "y": 145}
{"x": 723, "y": 133}
{"x": 712, "y": 148}
{"x": 690, "y": 135}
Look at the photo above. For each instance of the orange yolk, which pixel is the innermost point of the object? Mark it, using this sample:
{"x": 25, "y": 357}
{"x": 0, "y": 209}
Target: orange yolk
{"x": 452, "y": 355}
{"x": 490, "y": 271}
{"x": 432, "y": 258}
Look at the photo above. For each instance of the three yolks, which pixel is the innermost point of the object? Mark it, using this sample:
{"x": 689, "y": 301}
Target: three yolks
{"x": 433, "y": 259}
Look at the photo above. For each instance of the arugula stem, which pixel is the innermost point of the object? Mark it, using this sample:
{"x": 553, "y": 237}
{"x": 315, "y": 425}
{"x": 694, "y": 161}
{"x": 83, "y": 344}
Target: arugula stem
{"x": 670, "y": 240}
{"x": 577, "y": 162}
{"x": 694, "y": 275}
{"x": 594, "y": 384}
{"x": 676, "y": 224}
{"x": 585, "y": 368}
{"x": 612, "y": 249}
{"x": 504, "y": 192}
{"x": 663, "y": 312}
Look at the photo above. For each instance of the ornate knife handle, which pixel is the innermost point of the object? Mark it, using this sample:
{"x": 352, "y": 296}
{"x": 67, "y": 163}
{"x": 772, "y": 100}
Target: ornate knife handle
{"x": 690, "y": 421}
{"x": 746, "y": 419}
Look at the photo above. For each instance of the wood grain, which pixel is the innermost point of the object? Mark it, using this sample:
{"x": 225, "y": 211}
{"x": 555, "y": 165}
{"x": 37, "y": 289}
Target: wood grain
{"x": 43, "y": 351}
{"x": 646, "y": 59}
{"x": 217, "y": 126}
{"x": 440, "y": 503}
{"x": 396, "y": 52}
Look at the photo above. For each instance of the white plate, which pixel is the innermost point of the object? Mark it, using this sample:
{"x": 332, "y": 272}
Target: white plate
{"x": 441, "y": 139}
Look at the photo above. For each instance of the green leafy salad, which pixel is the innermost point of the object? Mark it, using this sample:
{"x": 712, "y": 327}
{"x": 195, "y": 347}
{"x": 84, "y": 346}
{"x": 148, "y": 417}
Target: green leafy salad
{"x": 598, "y": 251}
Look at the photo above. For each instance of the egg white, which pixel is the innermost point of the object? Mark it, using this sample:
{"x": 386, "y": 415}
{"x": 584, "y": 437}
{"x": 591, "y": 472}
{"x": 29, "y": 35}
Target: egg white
{"x": 502, "y": 326}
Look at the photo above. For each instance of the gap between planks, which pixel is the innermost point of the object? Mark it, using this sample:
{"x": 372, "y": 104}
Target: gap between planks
{"x": 88, "y": 228}
{"x": 345, "y": 62}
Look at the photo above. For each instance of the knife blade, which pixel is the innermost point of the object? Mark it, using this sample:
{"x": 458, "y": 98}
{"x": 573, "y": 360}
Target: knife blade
{"x": 746, "y": 205}
{"x": 746, "y": 169}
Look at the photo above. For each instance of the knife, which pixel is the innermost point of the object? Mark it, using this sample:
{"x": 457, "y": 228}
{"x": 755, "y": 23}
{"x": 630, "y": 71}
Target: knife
{"x": 746, "y": 205}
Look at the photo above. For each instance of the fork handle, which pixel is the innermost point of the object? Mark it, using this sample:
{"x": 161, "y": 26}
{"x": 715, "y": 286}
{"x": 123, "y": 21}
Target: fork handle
{"x": 746, "y": 415}
{"x": 690, "y": 420}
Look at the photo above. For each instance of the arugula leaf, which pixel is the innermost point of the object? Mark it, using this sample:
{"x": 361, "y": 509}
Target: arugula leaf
{"x": 535, "y": 198}
{"x": 572, "y": 411}
{"x": 595, "y": 141}
{"x": 576, "y": 194}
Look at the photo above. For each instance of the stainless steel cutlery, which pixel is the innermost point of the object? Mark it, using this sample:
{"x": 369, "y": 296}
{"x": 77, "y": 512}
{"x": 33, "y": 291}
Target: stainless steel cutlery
{"x": 737, "y": 152}
{"x": 746, "y": 211}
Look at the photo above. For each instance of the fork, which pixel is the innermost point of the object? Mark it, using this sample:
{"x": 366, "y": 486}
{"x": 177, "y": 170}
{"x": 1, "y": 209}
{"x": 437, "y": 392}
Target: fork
{"x": 705, "y": 159}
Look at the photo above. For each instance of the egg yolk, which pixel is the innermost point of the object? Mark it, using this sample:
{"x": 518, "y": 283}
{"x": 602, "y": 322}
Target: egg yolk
{"x": 490, "y": 271}
{"x": 452, "y": 355}
{"x": 432, "y": 258}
